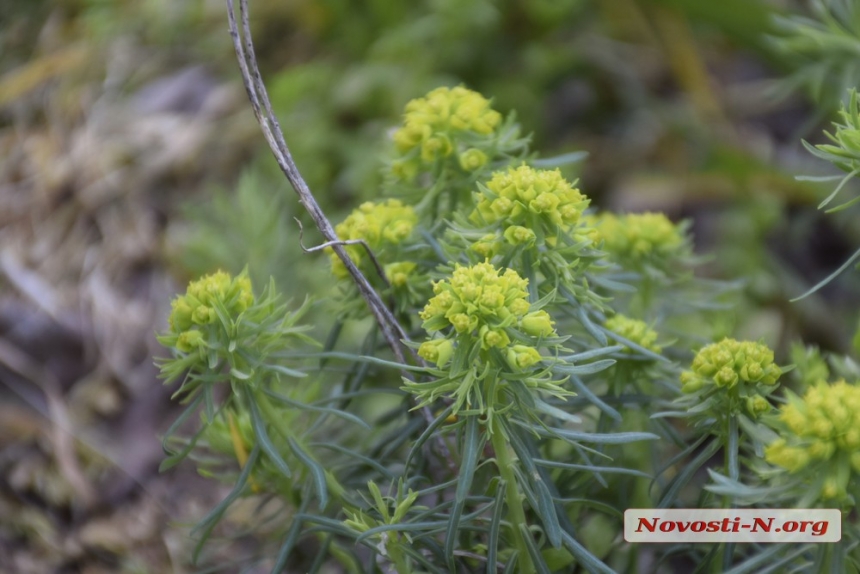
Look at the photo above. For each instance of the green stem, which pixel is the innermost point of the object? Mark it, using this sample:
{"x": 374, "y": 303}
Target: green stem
{"x": 505, "y": 462}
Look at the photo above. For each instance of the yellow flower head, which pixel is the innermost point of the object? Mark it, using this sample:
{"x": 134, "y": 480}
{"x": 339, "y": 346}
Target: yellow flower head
{"x": 730, "y": 362}
{"x": 633, "y": 330}
{"x": 479, "y": 298}
{"x": 398, "y": 273}
{"x": 637, "y": 236}
{"x": 434, "y": 123}
{"x": 198, "y": 306}
{"x": 523, "y": 197}
{"x": 817, "y": 427}
{"x": 378, "y": 224}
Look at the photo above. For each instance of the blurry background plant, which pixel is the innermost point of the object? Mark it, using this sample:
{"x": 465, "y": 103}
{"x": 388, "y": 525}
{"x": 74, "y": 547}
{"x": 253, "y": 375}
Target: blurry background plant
{"x": 124, "y": 132}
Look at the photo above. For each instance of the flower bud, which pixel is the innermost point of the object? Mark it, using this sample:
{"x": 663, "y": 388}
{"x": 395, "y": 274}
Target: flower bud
{"x": 537, "y": 324}
{"x": 757, "y": 405}
{"x": 180, "y": 315}
{"x": 472, "y": 159}
{"x": 519, "y": 235}
{"x": 203, "y": 315}
{"x": 189, "y": 340}
{"x": 726, "y": 377}
{"x": 523, "y": 356}
{"x": 438, "y": 351}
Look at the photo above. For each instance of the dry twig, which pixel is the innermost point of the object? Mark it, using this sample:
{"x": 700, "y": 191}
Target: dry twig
{"x": 393, "y": 332}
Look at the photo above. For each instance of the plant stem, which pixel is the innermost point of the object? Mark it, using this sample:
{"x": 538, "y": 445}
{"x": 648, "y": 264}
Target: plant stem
{"x": 505, "y": 463}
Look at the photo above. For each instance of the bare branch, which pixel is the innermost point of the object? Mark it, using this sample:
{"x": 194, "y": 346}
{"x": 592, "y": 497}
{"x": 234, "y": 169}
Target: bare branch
{"x": 391, "y": 329}
{"x": 379, "y": 270}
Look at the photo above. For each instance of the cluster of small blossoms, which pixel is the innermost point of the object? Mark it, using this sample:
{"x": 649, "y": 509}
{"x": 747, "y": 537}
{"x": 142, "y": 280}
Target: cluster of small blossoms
{"x": 634, "y": 331}
{"x": 741, "y": 370}
{"x": 637, "y": 236}
{"x": 198, "y": 307}
{"x": 438, "y": 125}
{"x": 524, "y": 198}
{"x": 821, "y": 427}
{"x": 730, "y": 362}
{"x": 379, "y": 225}
{"x": 481, "y": 301}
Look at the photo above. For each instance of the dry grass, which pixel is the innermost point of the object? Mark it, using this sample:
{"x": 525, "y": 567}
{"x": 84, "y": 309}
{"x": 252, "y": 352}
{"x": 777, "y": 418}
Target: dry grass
{"x": 89, "y": 177}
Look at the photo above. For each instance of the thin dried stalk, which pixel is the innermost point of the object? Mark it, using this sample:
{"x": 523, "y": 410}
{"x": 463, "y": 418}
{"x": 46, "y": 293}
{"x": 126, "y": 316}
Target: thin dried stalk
{"x": 391, "y": 329}
{"x": 393, "y": 332}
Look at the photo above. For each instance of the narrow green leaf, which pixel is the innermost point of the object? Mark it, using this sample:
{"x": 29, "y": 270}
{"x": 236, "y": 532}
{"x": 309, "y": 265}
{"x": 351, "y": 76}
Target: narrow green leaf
{"x": 610, "y": 284}
{"x": 843, "y": 206}
{"x": 734, "y": 467}
{"x": 205, "y": 526}
{"x": 495, "y": 527}
{"x": 586, "y": 369}
{"x": 356, "y": 455}
{"x": 259, "y": 426}
{"x": 838, "y": 188}
{"x": 545, "y": 505}
{"x": 552, "y": 411}
{"x": 830, "y": 277}
{"x": 764, "y": 561}
{"x": 357, "y": 358}
{"x": 606, "y": 469}
{"x": 583, "y": 390}
{"x": 237, "y": 374}
{"x": 473, "y": 445}
{"x": 636, "y": 347}
{"x": 428, "y": 432}
{"x": 681, "y": 455}
{"x": 599, "y": 438}
{"x": 296, "y": 374}
{"x": 316, "y": 469}
{"x": 559, "y": 160}
{"x": 588, "y": 560}
{"x": 817, "y": 178}
{"x": 599, "y": 352}
{"x": 534, "y": 553}
{"x": 410, "y": 527}
{"x": 325, "y": 410}
{"x": 189, "y": 410}
{"x": 687, "y": 473}
{"x": 595, "y": 504}
{"x": 586, "y": 322}
{"x": 292, "y": 537}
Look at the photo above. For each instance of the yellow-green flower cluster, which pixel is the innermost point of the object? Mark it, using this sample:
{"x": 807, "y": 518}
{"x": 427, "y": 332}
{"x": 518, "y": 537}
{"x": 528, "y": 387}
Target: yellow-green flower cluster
{"x": 729, "y": 363}
{"x": 635, "y": 331}
{"x": 820, "y": 426}
{"x": 483, "y": 301}
{"x": 637, "y": 235}
{"x": 523, "y": 197}
{"x": 433, "y": 124}
{"x": 379, "y": 225}
{"x": 198, "y": 306}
